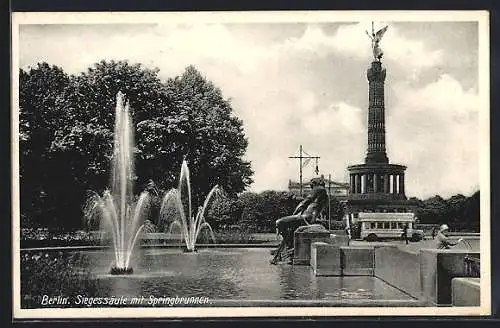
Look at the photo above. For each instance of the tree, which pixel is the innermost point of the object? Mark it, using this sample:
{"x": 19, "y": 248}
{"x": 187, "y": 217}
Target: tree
{"x": 224, "y": 212}
{"x": 213, "y": 137}
{"x": 336, "y": 210}
{"x": 90, "y": 101}
{"x": 80, "y": 143}
{"x": 433, "y": 210}
{"x": 456, "y": 208}
{"x": 260, "y": 211}
{"x": 471, "y": 213}
{"x": 458, "y": 211}
{"x": 40, "y": 93}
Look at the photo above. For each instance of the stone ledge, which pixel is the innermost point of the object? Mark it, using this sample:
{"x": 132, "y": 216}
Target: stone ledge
{"x": 333, "y": 260}
{"x": 465, "y": 292}
{"x": 357, "y": 261}
{"x": 301, "y": 261}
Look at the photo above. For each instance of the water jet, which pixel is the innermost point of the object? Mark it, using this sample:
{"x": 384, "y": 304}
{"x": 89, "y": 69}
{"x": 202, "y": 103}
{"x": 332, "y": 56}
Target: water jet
{"x": 189, "y": 225}
{"x": 116, "y": 210}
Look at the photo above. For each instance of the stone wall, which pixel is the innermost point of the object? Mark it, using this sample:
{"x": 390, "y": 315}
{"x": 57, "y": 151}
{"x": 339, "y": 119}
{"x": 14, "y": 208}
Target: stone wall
{"x": 399, "y": 268}
{"x": 438, "y": 268}
{"x": 429, "y": 276}
{"x": 304, "y": 240}
{"x": 325, "y": 259}
{"x": 357, "y": 261}
{"x": 465, "y": 292}
{"x": 302, "y": 245}
{"x": 334, "y": 260}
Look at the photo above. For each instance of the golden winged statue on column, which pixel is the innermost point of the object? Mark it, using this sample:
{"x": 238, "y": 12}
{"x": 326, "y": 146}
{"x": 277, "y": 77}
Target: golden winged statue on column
{"x": 376, "y": 38}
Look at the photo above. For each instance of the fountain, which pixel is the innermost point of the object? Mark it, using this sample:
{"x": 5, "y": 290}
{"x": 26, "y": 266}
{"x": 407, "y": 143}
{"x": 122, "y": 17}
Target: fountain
{"x": 190, "y": 226}
{"x": 116, "y": 210}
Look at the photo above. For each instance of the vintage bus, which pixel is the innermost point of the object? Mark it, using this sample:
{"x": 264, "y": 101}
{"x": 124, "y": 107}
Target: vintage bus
{"x": 377, "y": 226}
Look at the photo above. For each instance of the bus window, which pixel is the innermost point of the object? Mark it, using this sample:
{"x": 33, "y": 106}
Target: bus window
{"x": 400, "y": 225}
{"x": 380, "y": 225}
{"x": 373, "y": 225}
{"x": 394, "y": 225}
{"x": 386, "y": 225}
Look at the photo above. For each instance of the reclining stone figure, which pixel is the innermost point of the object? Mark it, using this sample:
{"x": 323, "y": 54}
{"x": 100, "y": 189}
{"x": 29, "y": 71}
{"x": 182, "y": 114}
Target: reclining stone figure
{"x": 305, "y": 217}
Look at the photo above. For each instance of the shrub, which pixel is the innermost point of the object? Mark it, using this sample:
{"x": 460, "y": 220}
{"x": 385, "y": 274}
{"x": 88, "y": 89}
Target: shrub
{"x": 55, "y": 275}
{"x": 234, "y": 235}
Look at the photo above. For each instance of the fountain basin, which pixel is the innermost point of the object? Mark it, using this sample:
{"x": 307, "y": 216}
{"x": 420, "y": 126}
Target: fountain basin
{"x": 226, "y": 276}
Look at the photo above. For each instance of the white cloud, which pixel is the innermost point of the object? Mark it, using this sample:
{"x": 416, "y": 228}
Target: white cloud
{"x": 351, "y": 40}
{"x": 168, "y": 47}
{"x": 434, "y": 130}
{"x": 338, "y": 117}
{"x": 445, "y": 94}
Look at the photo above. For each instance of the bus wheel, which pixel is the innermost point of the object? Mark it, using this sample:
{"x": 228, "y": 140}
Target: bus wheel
{"x": 371, "y": 237}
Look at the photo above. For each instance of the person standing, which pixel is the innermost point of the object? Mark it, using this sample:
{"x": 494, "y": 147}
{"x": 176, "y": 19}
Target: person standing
{"x": 405, "y": 233}
{"x": 348, "y": 232}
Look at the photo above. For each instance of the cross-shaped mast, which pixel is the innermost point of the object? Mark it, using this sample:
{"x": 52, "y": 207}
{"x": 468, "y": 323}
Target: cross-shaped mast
{"x": 301, "y": 157}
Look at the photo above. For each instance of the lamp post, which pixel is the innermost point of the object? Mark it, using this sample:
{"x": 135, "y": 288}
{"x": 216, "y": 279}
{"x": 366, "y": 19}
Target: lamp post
{"x": 329, "y": 203}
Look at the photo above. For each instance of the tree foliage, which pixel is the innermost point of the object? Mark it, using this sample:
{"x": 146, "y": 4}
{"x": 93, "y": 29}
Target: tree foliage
{"x": 459, "y": 211}
{"x": 261, "y": 210}
{"x": 40, "y": 94}
{"x": 66, "y": 133}
{"x": 225, "y": 212}
{"x": 216, "y": 139}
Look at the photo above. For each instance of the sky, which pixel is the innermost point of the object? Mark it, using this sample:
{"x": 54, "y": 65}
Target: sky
{"x": 305, "y": 84}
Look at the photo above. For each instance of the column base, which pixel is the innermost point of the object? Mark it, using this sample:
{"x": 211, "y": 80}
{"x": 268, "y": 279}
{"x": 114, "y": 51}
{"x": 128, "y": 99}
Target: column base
{"x": 376, "y": 157}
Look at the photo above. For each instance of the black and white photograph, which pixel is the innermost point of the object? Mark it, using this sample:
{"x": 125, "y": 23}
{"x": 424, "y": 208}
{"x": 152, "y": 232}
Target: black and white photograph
{"x": 222, "y": 164}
